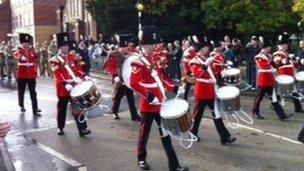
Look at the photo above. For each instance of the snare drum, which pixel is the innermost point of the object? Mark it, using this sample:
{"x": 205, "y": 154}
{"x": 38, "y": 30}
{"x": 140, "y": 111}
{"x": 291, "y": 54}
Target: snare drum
{"x": 231, "y": 76}
{"x": 176, "y": 116}
{"x": 229, "y": 98}
{"x": 286, "y": 84}
{"x": 85, "y": 95}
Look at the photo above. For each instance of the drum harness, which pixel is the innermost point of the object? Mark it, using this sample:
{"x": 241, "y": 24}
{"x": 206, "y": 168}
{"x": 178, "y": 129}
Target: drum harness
{"x": 217, "y": 109}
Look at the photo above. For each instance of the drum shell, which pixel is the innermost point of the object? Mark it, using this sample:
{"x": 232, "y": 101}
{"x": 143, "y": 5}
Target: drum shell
{"x": 178, "y": 125}
{"x": 230, "y": 105}
{"x": 232, "y": 79}
{"x": 89, "y": 99}
{"x": 286, "y": 89}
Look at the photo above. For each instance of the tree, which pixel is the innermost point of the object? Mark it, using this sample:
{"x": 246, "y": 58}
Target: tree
{"x": 298, "y": 7}
{"x": 249, "y": 16}
{"x": 113, "y": 16}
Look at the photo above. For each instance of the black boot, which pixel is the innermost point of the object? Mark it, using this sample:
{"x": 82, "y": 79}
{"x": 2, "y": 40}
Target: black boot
{"x": 60, "y": 131}
{"x": 280, "y": 111}
{"x": 22, "y": 109}
{"x": 116, "y": 117}
{"x": 143, "y": 165}
{"x": 297, "y": 105}
{"x": 84, "y": 132}
{"x": 301, "y": 135}
{"x": 223, "y": 132}
{"x": 171, "y": 155}
{"x": 136, "y": 118}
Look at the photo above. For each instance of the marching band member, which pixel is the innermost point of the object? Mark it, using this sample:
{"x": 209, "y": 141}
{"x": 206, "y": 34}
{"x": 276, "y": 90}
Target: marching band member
{"x": 120, "y": 89}
{"x": 27, "y": 72}
{"x": 204, "y": 90}
{"x": 64, "y": 83}
{"x": 144, "y": 83}
{"x": 266, "y": 82}
{"x": 218, "y": 64}
{"x": 189, "y": 53}
{"x": 286, "y": 66}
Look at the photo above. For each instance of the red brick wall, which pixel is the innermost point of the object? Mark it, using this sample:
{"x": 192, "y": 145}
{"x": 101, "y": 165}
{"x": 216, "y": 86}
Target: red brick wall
{"x": 5, "y": 20}
{"x": 45, "y": 11}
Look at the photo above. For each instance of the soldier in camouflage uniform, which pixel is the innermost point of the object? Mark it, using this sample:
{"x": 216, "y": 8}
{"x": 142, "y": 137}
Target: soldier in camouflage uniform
{"x": 10, "y": 61}
{"x": 2, "y": 61}
{"x": 45, "y": 67}
{"x": 52, "y": 51}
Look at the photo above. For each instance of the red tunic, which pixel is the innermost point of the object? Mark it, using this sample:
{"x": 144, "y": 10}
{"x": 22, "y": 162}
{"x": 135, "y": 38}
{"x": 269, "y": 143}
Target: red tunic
{"x": 26, "y": 69}
{"x": 218, "y": 64}
{"x": 142, "y": 82}
{"x": 62, "y": 76}
{"x": 265, "y": 76}
{"x": 284, "y": 68}
{"x": 204, "y": 86}
{"x": 111, "y": 64}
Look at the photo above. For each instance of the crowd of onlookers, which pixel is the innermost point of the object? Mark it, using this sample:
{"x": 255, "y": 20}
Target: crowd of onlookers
{"x": 94, "y": 54}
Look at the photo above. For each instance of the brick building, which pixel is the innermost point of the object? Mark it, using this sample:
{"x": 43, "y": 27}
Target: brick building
{"x": 5, "y": 19}
{"x": 78, "y": 21}
{"x": 36, "y": 17}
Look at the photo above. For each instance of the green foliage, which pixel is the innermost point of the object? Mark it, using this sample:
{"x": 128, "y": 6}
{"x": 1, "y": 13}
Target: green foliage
{"x": 250, "y": 16}
{"x": 298, "y": 7}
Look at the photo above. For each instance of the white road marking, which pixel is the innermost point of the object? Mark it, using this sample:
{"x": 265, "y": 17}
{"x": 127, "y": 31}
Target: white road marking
{"x": 270, "y": 134}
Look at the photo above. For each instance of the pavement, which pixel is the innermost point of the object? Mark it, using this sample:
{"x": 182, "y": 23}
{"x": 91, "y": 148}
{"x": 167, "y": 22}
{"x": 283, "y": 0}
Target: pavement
{"x": 33, "y": 143}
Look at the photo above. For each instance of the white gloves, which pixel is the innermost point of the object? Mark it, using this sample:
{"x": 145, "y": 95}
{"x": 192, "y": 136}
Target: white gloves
{"x": 284, "y": 61}
{"x": 68, "y": 87}
{"x": 155, "y": 101}
{"x": 116, "y": 79}
{"x": 209, "y": 61}
{"x": 77, "y": 80}
{"x": 277, "y": 59}
{"x": 229, "y": 63}
{"x": 23, "y": 59}
{"x": 180, "y": 90}
{"x": 88, "y": 78}
{"x": 302, "y": 61}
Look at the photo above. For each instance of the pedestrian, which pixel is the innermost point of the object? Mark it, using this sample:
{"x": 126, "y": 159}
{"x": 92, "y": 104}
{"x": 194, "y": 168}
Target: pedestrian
{"x": 204, "y": 90}
{"x": 27, "y": 72}
{"x": 229, "y": 55}
{"x": 150, "y": 96}
{"x": 170, "y": 69}
{"x": 251, "y": 50}
{"x": 177, "y": 56}
{"x": 2, "y": 61}
{"x": 64, "y": 83}
{"x": 83, "y": 52}
{"x": 237, "y": 51}
{"x": 300, "y": 54}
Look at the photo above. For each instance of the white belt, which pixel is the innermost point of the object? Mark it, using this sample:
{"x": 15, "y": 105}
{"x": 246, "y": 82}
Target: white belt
{"x": 265, "y": 70}
{"x": 286, "y": 66}
{"x": 186, "y": 60}
{"x": 208, "y": 81}
{"x": 152, "y": 85}
{"x": 25, "y": 64}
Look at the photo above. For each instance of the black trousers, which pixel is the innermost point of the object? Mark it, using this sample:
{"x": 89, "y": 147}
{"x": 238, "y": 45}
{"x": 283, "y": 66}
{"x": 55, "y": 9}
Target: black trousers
{"x": 199, "y": 108}
{"x": 32, "y": 88}
{"x": 259, "y": 97}
{"x": 118, "y": 93}
{"x": 296, "y": 102}
{"x": 62, "y": 106}
{"x": 145, "y": 127}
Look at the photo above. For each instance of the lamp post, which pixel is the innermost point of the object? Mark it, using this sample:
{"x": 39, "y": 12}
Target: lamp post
{"x": 140, "y": 8}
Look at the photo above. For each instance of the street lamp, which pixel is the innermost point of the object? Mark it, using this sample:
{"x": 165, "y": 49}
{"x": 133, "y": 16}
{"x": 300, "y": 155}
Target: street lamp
{"x": 140, "y": 8}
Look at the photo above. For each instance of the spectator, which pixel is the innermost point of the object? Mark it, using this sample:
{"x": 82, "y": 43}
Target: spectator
{"x": 83, "y": 52}
{"x": 237, "y": 50}
{"x": 177, "y": 56}
{"x": 4, "y": 128}
{"x": 229, "y": 55}
{"x": 251, "y": 50}
{"x": 227, "y": 40}
{"x": 170, "y": 70}
{"x": 300, "y": 53}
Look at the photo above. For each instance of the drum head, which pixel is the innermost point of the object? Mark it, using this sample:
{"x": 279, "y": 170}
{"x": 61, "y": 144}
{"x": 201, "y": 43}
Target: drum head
{"x": 300, "y": 76}
{"x": 232, "y": 71}
{"x": 81, "y": 88}
{"x": 174, "y": 108}
{"x": 284, "y": 79}
{"x": 127, "y": 69}
{"x": 227, "y": 92}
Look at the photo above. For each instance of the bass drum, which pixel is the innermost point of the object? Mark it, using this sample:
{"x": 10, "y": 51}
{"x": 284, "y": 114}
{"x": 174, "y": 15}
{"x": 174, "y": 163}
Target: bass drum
{"x": 127, "y": 69}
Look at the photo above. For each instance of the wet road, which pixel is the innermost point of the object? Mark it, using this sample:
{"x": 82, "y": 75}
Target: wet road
{"x": 34, "y": 145}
